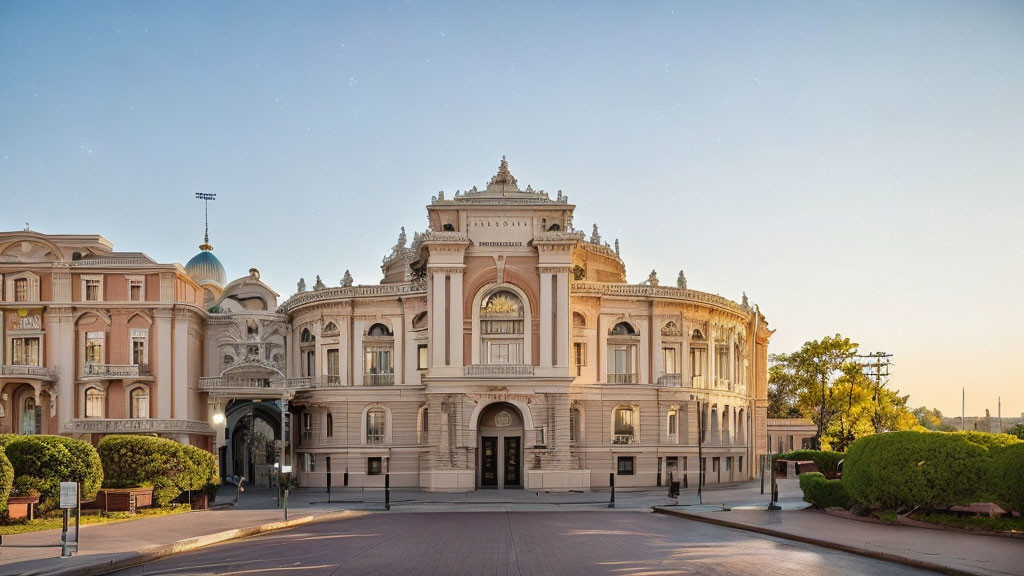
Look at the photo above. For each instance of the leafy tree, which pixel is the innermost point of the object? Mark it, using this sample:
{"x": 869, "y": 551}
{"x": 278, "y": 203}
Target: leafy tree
{"x": 1017, "y": 430}
{"x": 931, "y": 419}
{"x": 824, "y": 382}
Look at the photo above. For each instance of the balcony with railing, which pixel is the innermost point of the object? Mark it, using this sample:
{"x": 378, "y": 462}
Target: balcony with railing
{"x": 254, "y": 387}
{"x": 723, "y": 383}
{"x": 333, "y": 380}
{"x": 671, "y": 380}
{"x": 93, "y": 371}
{"x": 136, "y": 426}
{"x": 23, "y": 371}
{"x": 623, "y": 378}
{"x": 498, "y": 370}
{"x": 698, "y": 381}
{"x": 375, "y": 439}
{"x": 378, "y": 379}
{"x": 623, "y": 440}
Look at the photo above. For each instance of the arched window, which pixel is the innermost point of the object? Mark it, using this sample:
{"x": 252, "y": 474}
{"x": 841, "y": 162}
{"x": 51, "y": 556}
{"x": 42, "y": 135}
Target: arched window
{"x": 378, "y": 353}
{"x": 624, "y": 420}
{"x": 622, "y": 329}
{"x": 94, "y": 403}
{"x": 574, "y": 424}
{"x": 139, "y": 403}
{"x": 307, "y": 336}
{"x": 307, "y": 343}
{"x": 502, "y": 318}
{"x": 554, "y": 228}
{"x": 579, "y": 320}
{"x": 30, "y": 417}
{"x": 673, "y": 424}
{"x": 623, "y": 358}
{"x": 376, "y": 425}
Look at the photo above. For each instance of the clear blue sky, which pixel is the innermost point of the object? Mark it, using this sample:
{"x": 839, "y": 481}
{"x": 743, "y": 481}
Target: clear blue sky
{"x": 854, "y": 167}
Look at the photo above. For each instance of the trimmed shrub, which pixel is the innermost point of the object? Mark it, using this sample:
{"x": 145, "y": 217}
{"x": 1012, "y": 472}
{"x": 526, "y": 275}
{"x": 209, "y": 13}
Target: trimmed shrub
{"x": 41, "y": 463}
{"x": 822, "y": 492}
{"x": 6, "y": 439}
{"x": 826, "y": 461}
{"x": 144, "y": 461}
{"x": 164, "y": 465}
{"x": 6, "y": 480}
{"x": 923, "y": 469}
{"x": 1008, "y": 477}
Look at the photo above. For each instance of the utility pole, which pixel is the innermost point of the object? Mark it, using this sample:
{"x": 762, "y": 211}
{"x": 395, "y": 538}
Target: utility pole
{"x": 875, "y": 366}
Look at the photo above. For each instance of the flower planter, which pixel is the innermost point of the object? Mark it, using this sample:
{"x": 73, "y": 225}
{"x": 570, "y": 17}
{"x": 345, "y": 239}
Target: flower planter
{"x": 121, "y": 499}
{"x": 21, "y": 506}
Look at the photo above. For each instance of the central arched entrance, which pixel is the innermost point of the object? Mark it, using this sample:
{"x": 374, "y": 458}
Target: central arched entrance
{"x": 500, "y": 441}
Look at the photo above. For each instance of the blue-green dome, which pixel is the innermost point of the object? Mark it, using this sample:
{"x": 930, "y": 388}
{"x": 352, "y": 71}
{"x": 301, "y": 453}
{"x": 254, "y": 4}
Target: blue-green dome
{"x": 205, "y": 268}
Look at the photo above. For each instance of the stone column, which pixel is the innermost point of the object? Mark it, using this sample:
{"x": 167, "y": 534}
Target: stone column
{"x": 164, "y": 369}
{"x": 562, "y": 321}
{"x": 437, "y": 319}
{"x": 685, "y": 373}
{"x": 732, "y": 360}
{"x": 398, "y": 353}
{"x": 455, "y": 308}
{"x": 180, "y": 363}
{"x": 545, "y": 319}
{"x": 710, "y": 379}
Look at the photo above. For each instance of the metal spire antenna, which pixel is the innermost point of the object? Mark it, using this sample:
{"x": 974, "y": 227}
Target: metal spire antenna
{"x": 206, "y": 211}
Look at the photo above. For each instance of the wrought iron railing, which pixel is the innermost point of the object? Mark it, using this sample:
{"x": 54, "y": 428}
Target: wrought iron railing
{"x": 674, "y": 380}
{"x": 623, "y": 378}
{"x": 24, "y": 370}
{"x": 378, "y": 379}
{"x": 116, "y": 370}
{"x": 623, "y": 439}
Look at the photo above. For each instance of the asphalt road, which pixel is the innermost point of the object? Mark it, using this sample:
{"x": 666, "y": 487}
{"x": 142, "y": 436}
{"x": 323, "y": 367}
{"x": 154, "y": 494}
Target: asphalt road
{"x": 517, "y": 543}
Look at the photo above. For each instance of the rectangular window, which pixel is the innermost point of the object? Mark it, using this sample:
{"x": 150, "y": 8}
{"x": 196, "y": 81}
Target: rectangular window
{"x": 574, "y": 425}
{"x": 375, "y": 426}
{"x": 330, "y": 425}
{"x": 374, "y": 466}
{"x": 25, "y": 352}
{"x": 21, "y": 290}
{"x": 94, "y": 347}
{"x": 378, "y": 369}
{"x": 625, "y": 465}
{"x": 140, "y": 404}
{"x": 579, "y": 353}
{"x": 669, "y": 355}
{"x": 136, "y": 289}
{"x": 94, "y": 401}
{"x": 672, "y": 422}
{"x": 333, "y": 367}
{"x": 308, "y": 463}
{"x": 421, "y": 357}
{"x": 140, "y": 356}
{"x": 728, "y": 463}
{"x": 93, "y": 289}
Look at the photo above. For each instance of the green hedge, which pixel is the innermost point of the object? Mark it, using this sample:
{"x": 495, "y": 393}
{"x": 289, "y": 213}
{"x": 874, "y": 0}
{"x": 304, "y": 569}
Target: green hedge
{"x": 165, "y": 465}
{"x": 6, "y": 480}
{"x": 822, "y": 492}
{"x": 41, "y": 463}
{"x": 926, "y": 469}
{"x": 827, "y": 462}
{"x": 1008, "y": 477}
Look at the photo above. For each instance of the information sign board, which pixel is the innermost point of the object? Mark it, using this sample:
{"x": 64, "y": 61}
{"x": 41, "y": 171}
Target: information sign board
{"x": 68, "y": 494}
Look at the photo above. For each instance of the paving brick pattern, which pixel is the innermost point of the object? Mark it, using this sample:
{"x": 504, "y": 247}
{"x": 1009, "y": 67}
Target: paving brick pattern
{"x": 514, "y": 544}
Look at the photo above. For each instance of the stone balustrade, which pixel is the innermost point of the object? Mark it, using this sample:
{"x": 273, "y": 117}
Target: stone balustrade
{"x": 499, "y": 370}
{"x": 646, "y": 291}
{"x": 115, "y": 371}
{"x": 136, "y": 426}
{"x": 225, "y": 383}
{"x": 623, "y": 378}
{"x": 623, "y": 440}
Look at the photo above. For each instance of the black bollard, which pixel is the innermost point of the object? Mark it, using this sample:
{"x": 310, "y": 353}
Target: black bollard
{"x": 387, "y": 491}
{"x": 328, "y": 478}
{"x": 611, "y": 482}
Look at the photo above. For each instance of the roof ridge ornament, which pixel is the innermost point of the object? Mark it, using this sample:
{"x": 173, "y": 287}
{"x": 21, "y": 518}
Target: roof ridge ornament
{"x": 504, "y": 177}
{"x": 205, "y": 246}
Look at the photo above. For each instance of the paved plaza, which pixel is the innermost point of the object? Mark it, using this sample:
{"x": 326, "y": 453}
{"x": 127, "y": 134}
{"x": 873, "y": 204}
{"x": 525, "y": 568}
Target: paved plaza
{"x": 516, "y": 543}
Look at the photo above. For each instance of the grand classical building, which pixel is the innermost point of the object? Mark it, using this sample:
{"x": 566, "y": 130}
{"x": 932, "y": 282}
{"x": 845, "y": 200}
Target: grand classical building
{"x": 501, "y": 349}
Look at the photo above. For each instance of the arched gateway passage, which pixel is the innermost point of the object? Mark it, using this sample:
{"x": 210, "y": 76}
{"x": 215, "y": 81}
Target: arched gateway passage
{"x": 500, "y": 442}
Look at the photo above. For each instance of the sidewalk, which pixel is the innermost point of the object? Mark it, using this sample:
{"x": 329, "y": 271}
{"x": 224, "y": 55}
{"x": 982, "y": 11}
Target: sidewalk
{"x": 134, "y": 541}
{"x": 943, "y": 551}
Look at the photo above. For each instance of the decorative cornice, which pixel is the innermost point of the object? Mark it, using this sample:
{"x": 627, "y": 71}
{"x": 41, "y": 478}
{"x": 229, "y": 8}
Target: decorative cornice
{"x": 337, "y": 293}
{"x": 644, "y": 291}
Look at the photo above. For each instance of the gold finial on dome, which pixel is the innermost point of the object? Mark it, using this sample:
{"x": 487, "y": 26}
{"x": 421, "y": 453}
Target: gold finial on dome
{"x": 504, "y": 177}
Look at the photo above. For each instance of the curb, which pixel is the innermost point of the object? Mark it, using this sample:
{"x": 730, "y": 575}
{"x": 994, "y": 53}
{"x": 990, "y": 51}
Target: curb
{"x": 157, "y": 552}
{"x": 888, "y": 557}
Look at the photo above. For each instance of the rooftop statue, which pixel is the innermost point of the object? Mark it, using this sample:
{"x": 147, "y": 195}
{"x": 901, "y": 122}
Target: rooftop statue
{"x": 681, "y": 280}
{"x": 746, "y": 302}
{"x": 616, "y": 246}
{"x": 319, "y": 283}
{"x": 504, "y": 177}
{"x": 346, "y": 280}
{"x": 653, "y": 278}
{"x": 595, "y": 236}
{"x": 302, "y": 285}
